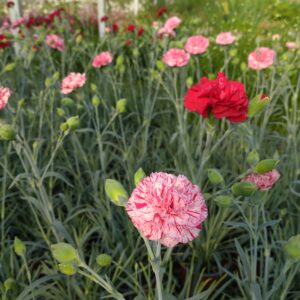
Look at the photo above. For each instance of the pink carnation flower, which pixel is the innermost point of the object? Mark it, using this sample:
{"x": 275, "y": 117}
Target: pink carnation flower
{"x": 291, "y": 45}
{"x": 196, "y": 44}
{"x": 172, "y": 23}
{"x": 261, "y": 58}
{"x": 225, "y": 38}
{"x": 263, "y": 181}
{"x": 101, "y": 60}
{"x": 72, "y": 82}
{"x": 164, "y": 31}
{"x": 56, "y": 42}
{"x": 167, "y": 208}
{"x": 5, "y": 93}
{"x": 176, "y": 57}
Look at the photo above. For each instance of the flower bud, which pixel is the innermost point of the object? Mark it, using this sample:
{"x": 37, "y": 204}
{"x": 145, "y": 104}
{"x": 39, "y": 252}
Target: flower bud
{"x": 243, "y": 67}
{"x": 60, "y": 111}
{"x": 21, "y": 103}
{"x": 93, "y": 87}
{"x": 103, "y": 260}
{"x": 215, "y": 176}
{"x": 9, "y": 67}
{"x": 73, "y": 122}
{"x": 138, "y": 176}
{"x": 48, "y": 82}
{"x": 116, "y": 192}
{"x": 56, "y": 76}
{"x": 266, "y": 165}
{"x": 253, "y": 158}
{"x": 96, "y": 101}
{"x": 223, "y": 200}
{"x": 244, "y": 188}
{"x": 233, "y": 52}
{"x": 293, "y": 247}
{"x": 257, "y": 105}
{"x": 68, "y": 102}
{"x": 121, "y": 105}
{"x": 64, "y": 253}
{"x": 64, "y": 127}
{"x": 19, "y": 247}
{"x": 189, "y": 82}
{"x": 120, "y": 60}
{"x": 9, "y": 284}
{"x": 7, "y": 132}
{"x": 160, "y": 65}
{"x": 67, "y": 269}
{"x": 135, "y": 52}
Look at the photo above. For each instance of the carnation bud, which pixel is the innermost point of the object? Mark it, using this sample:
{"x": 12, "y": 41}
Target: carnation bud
{"x": 9, "y": 284}
{"x": 206, "y": 196}
{"x": 243, "y": 67}
{"x": 19, "y": 247}
{"x": 64, "y": 253}
{"x": 9, "y": 67}
{"x": 135, "y": 52}
{"x": 93, "y": 87}
{"x": 120, "y": 60}
{"x": 116, "y": 192}
{"x": 138, "y": 176}
{"x": 160, "y": 65}
{"x": 56, "y": 76}
{"x": 78, "y": 39}
{"x": 235, "y": 61}
{"x": 223, "y": 200}
{"x": 96, "y": 101}
{"x": 48, "y": 82}
{"x": 68, "y": 102}
{"x": 73, "y": 122}
{"x": 233, "y": 52}
{"x": 253, "y": 158}
{"x": 244, "y": 188}
{"x": 60, "y": 111}
{"x": 67, "y": 269}
{"x": 215, "y": 176}
{"x": 103, "y": 260}
{"x": 293, "y": 247}
{"x": 121, "y": 105}
{"x": 7, "y": 132}
{"x": 64, "y": 127}
{"x": 257, "y": 105}
{"x": 21, "y": 103}
{"x": 189, "y": 82}
{"x": 266, "y": 165}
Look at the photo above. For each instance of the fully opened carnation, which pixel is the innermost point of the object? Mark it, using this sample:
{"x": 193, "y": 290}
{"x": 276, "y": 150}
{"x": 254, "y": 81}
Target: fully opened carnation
{"x": 225, "y": 38}
{"x": 5, "y": 93}
{"x": 56, "y": 42}
{"x": 261, "y": 58}
{"x": 263, "y": 181}
{"x": 167, "y": 208}
{"x": 102, "y": 59}
{"x": 176, "y": 58}
{"x": 72, "y": 82}
{"x": 222, "y": 97}
{"x": 196, "y": 44}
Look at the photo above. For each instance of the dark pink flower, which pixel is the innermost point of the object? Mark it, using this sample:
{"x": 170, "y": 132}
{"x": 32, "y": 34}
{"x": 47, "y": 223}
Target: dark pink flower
{"x": 56, "y": 42}
{"x": 261, "y": 58}
{"x": 263, "y": 181}
{"x": 102, "y": 59}
{"x": 72, "y": 82}
{"x": 5, "y": 93}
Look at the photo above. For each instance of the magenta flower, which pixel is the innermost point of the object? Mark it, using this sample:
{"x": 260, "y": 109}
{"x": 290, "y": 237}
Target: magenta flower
{"x": 167, "y": 208}
{"x": 263, "y": 181}
{"x": 261, "y": 58}
{"x": 176, "y": 58}
{"x": 291, "y": 45}
{"x": 225, "y": 38}
{"x": 196, "y": 44}
{"x": 5, "y": 93}
{"x": 72, "y": 82}
{"x": 56, "y": 42}
{"x": 102, "y": 59}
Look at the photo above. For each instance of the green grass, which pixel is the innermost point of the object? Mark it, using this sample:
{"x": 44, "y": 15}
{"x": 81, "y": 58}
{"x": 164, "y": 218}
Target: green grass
{"x": 52, "y": 184}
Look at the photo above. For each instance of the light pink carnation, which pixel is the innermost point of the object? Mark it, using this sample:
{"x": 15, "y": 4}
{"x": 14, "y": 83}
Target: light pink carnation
{"x": 225, "y": 38}
{"x": 196, "y": 44}
{"x": 56, "y": 42}
{"x": 176, "y": 57}
{"x": 167, "y": 208}
{"x": 261, "y": 58}
{"x": 172, "y": 23}
{"x": 164, "y": 31}
{"x": 101, "y": 60}
{"x": 291, "y": 45}
{"x": 5, "y": 93}
{"x": 263, "y": 181}
{"x": 72, "y": 82}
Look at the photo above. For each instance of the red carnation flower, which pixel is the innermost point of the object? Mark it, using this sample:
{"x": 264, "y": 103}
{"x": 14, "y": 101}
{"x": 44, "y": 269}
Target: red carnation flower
{"x": 130, "y": 28}
{"x": 224, "y": 98}
{"x": 128, "y": 43}
{"x": 104, "y": 19}
{"x": 140, "y": 31}
{"x": 162, "y": 11}
{"x": 4, "y": 42}
{"x": 115, "y": 27}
